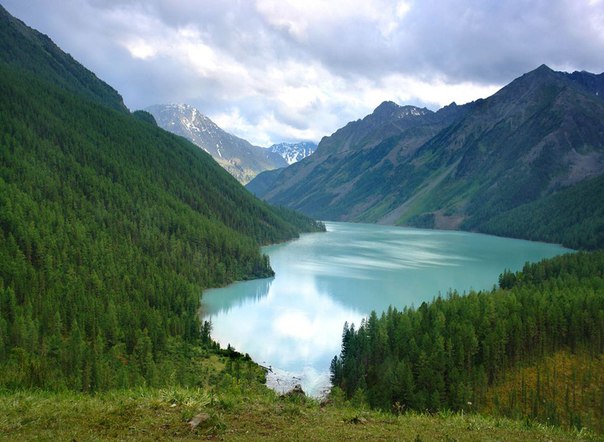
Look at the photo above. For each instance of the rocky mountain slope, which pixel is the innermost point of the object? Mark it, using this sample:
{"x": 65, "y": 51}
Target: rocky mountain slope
{"x": 294, "y": 152}
{"x": 461, "y": 167}
{"x": 240, "y": 158}
{"x": 348, "y": 166}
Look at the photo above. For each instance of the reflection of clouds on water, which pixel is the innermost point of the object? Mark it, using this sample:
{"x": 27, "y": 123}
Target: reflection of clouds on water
{"x": 293, "y": 326}
{"x": 293, "y": 322}
{"x": 365, "y": 260}
{"x": 313, "y": 381}
{"x": 388, "y": 249}
{"x": 239, "y": 293}
{"x": 333, "y": 270}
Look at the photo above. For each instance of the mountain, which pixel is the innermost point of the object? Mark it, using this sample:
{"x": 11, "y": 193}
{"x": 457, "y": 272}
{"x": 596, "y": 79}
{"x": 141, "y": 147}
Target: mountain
{"x": 591, "y": 83}
{"x": 240, "y": 158}
{"x": 294, "y": 152}
{"x": 339, "y": 180}
{"x": 35, "y": 53}
{"x": 462, "y": 167}
{"x": 110, "y": 229}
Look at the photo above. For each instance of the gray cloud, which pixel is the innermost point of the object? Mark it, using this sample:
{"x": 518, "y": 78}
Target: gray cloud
{"x": 275, "y": 70}
{"x": 467, "y": 40}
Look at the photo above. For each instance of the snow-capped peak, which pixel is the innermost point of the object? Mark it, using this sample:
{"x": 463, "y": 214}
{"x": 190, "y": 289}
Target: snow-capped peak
{"x": 294, "y": 152}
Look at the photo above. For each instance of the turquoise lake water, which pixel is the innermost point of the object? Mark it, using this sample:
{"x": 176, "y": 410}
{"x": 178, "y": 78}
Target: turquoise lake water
{"x": 293, "y": 322}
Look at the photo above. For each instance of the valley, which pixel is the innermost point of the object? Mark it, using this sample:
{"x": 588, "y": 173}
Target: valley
{"x": 469, "y": 167}
{"x": 238, "y": 157}
{"x": 146, "y": 294}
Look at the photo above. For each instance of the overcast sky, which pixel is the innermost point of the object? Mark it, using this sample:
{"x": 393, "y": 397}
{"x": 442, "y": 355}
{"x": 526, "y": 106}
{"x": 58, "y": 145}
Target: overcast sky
{"x": 285, "y": 70}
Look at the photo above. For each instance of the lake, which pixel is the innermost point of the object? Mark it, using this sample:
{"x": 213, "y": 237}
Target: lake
{"x": 293, "y": 322}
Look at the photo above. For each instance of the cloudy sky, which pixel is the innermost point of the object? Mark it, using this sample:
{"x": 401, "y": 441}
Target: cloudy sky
{"x": 287, "y": 70}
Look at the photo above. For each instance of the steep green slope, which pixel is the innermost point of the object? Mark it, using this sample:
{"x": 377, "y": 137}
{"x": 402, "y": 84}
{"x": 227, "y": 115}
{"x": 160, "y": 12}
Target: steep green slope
{"x": 109, "y": 230}
{"x": 537, "y": 135}
{"x": 573, "y": 217}
{"x": 27, "y": 49}
{"x": 262, "y": 183}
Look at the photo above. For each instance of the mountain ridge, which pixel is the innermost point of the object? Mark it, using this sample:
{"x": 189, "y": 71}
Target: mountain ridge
{"x": 455, "y": 168}
{"x": 36, "y": 53}
{"x": 294, "y": 152}
{"x": 238, "y": 156}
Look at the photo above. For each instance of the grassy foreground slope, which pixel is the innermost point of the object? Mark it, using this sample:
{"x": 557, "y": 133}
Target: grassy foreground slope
{"x": 230, "y": 403}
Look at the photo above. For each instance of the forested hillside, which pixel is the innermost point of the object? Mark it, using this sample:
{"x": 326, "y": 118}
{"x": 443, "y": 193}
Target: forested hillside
{"x": 109, "y": 230}
{"x": 573, "y": 217}
{"x": 27, "y": 49}
{"x": 448, "y": 353}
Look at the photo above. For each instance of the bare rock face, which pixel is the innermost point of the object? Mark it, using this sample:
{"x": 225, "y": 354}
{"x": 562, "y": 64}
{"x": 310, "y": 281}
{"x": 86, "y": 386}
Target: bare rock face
{"x": 294, "y": 152}
{"x": 239, "y": 157}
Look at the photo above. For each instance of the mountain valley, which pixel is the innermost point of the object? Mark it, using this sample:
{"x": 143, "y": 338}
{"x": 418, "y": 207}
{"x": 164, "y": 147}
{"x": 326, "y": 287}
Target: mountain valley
{"x": 114, "y": 224}
{"x": 462, "y": 167}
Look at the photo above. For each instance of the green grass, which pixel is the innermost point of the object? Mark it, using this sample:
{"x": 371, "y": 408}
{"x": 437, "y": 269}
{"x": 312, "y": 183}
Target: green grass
{"x": 240, "y": 409}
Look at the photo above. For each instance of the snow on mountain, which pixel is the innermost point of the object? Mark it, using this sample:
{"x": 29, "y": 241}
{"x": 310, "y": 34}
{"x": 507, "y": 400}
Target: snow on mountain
{"x": 240, "y": 158}
{"x": 294, "y": 152}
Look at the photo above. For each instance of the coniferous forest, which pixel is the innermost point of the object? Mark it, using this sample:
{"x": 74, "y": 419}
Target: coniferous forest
{"x": 573, "y": 217}
{"x": 109, "y": 230}
{"x": 448, "y": 353}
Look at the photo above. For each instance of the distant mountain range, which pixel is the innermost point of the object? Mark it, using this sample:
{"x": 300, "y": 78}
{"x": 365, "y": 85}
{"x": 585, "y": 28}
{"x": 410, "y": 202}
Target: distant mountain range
{"x": 482, "y": 166}
{"x": 294, "y": 152}
{"x": 238, "y": 156}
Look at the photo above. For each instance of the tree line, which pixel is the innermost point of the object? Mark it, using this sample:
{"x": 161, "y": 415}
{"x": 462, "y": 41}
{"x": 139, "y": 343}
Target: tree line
{"x": 446, "y": 354}
{"x": 573, "y": 217}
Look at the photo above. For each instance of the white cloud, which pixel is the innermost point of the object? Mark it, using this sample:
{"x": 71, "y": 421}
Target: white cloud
{"x": 139, "y": 48}
{"x": 277, "y": 70}
{"x": 299, "y": 18}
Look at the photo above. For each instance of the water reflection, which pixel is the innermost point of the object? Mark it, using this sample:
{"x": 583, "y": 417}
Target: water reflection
{"x": 239, "y": 294}
{"x": 290, "y": 325}
{"x": 293, "y": 322}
